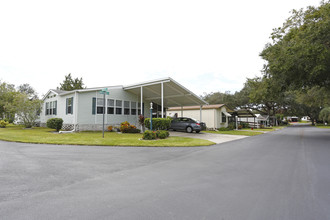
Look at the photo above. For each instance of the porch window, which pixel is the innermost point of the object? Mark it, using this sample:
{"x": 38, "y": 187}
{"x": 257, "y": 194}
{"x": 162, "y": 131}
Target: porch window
{"x": 111, "y": 106}
{"x": 223, "y": 118}
{"x": 99, "y": 105}
{"x": 133, "y": 108}
{"x": 119, "y": 107}
{"x": 126, "y": 107}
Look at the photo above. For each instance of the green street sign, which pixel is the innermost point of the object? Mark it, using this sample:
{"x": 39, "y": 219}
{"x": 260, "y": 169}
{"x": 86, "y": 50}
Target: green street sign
{"x": 104, "y": 91}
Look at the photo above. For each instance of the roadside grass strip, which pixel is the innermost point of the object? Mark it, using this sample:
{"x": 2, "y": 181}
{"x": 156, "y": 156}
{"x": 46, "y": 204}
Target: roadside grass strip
{"x": 48, "y": 136}
{"x": 265, "y": 129}
{"x": 323, "y": 126}
{"x": 234, "y": 132}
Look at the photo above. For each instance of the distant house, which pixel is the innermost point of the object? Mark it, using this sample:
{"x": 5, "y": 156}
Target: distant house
{"x": 254, "y": 120}
{"x": 83, "y": 109}
{"x": 215, "y": 116}
{"x": 292, "y": 119}
{"x": 306, "y": 118}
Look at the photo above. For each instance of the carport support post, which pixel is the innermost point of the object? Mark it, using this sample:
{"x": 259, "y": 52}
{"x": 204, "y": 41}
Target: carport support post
{"x": 200, "y": 113}
{"x": 181, "y": 111}
{"x": 103, "y": 114}
{"x": 162, "y": 86}
{"x": 236, "y": 122}
{"x": 151, "y": 116}
{"x": 141, "y": 105}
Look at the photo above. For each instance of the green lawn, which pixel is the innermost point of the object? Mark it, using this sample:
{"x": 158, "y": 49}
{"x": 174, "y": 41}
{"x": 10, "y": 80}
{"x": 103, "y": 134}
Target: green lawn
{"x": 323, "y": 126}
{"x": 265, "y": 129}
{"x": 47, "y": 136}
{"x": 234, "y": 132}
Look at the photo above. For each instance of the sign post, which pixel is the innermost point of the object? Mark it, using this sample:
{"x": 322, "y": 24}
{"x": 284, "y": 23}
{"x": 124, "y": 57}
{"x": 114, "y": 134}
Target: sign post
{"x": 104, "y": 92}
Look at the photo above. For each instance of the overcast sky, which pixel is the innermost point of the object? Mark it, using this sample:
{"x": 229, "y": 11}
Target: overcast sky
{"x": 205, "y": 45}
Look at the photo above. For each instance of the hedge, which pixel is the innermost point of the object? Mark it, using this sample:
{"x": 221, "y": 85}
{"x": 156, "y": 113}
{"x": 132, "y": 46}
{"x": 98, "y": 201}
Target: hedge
{"x": 158, "y": 123}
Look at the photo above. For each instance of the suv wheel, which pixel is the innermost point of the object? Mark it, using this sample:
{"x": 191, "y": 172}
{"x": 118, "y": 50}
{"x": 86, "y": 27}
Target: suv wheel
{"x": 189, "y": 129}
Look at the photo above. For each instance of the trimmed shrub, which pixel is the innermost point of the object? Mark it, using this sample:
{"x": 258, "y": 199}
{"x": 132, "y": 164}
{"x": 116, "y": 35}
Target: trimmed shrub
{"x": 158, "y": 123}
{"x": 149, "y": 135}
{"x": 55, "y": 123}
{"x": 3, "y": 123}
{"x": 161, "y": 134}
{"x": 125, "y": 127}
{"x": 110, "y": 128}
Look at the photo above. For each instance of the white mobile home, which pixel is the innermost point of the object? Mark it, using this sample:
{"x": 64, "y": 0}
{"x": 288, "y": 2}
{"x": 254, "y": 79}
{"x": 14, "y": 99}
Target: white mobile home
{"x": 214, "y": 116}
{"x": 83, "y": 109}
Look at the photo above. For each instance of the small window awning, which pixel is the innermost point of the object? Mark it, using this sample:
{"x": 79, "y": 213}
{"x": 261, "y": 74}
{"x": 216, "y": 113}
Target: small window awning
{"x": 227, "y": 114}
{"x": 173, "y": 93}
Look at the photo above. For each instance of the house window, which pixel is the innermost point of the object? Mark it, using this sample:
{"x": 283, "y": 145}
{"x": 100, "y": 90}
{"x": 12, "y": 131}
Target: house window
{"x": 69, "y": 105}
{"x": 126, "y": 107}
{"x": 223, "y": 118}
{"x": 47, "y": 108}
{"x": 54, "y": 107}
{"x": 51, "y": 108}
{"x": 99, "y": 105}
{"x": 111, "y": 106}
{"x": 119, "y": 106}
{"x": 133, "y": 108}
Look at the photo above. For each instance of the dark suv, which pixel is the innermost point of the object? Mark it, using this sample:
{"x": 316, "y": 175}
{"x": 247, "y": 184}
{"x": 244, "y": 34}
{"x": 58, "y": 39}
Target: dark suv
{"x": 187, "y": 124}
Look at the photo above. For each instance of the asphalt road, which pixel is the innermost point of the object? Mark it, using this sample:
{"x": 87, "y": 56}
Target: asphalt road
{"x": 282, "y": 175}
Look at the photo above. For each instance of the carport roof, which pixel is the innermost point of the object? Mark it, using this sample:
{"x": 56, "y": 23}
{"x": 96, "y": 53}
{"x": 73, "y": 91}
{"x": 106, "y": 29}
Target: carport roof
{"x": 197, "y": 107}
{"x": 244, "y": 113}
{"x": 174, "y": 94}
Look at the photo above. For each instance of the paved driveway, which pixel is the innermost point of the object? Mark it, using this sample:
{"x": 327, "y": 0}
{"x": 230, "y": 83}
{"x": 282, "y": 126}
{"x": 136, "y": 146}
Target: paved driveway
{"x": 216, "y": 138}
{"x": 281, "y": 175}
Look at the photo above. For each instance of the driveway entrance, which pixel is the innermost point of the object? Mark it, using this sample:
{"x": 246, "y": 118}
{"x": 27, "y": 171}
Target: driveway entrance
{"x": 216, "y": 138}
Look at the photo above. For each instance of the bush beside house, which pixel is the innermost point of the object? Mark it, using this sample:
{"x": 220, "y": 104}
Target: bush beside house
{"x": 126, "y": 127}
{"x": 55, "y": 123}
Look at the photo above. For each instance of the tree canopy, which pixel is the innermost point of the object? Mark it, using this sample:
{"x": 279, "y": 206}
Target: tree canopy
{"x": 70, "y": 84}
{"x": 296, "y": 78}
{"x": 299, "y": 56}
{"x": 22, "y": 104}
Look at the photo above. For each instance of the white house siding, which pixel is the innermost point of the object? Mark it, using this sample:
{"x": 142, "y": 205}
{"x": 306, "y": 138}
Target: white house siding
{"x": 82, "y": 117}
{"x": 68, "y": 119}
{"x": 88, "y": 121}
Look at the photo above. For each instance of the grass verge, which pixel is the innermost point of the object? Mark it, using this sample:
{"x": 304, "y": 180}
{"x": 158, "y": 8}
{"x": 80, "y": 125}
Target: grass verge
{"x": 234, "y": 132}
{"x": 265, "y": 129}
{"x": 323, "y": 126}
{"x": 47, "y": 136}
